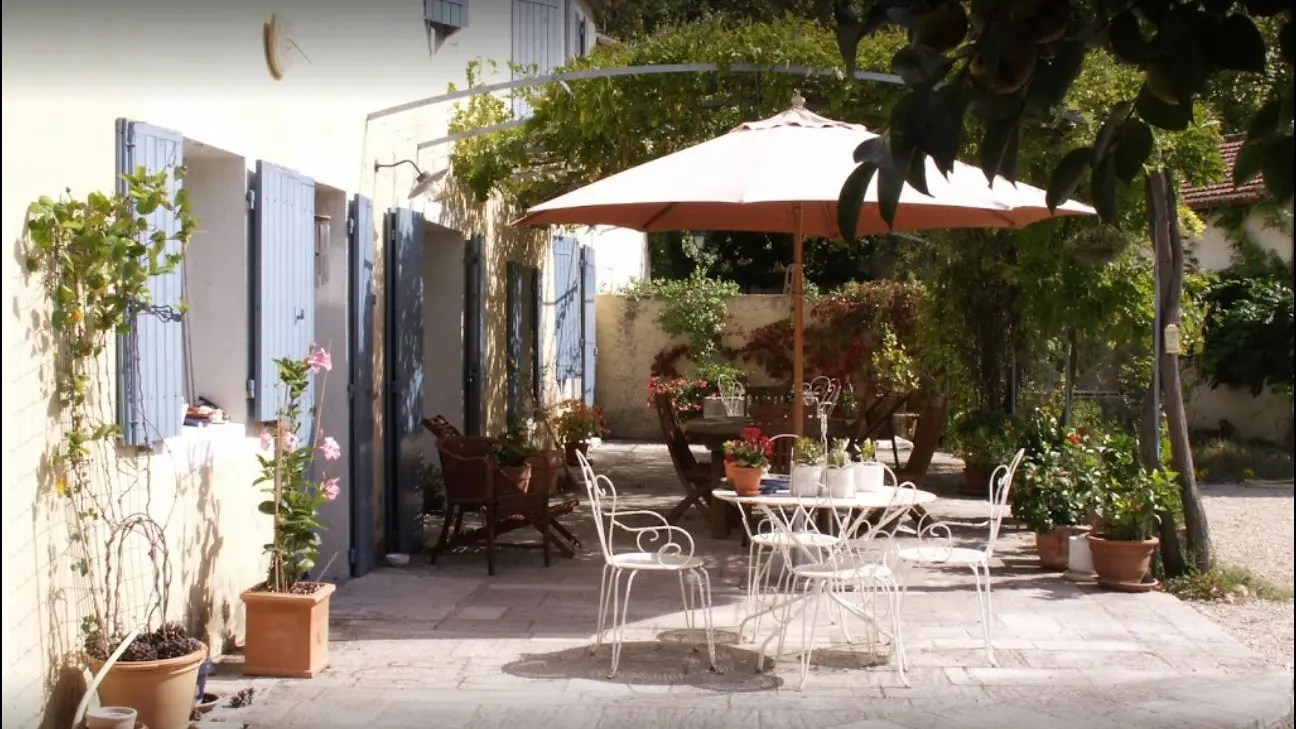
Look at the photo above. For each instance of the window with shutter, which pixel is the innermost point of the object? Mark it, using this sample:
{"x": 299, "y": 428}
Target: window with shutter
{"x": 150, "y": 355}
{"x": 514, "y": 309}
{"x": 589, "y": 338}
{"x": 564, "y": 261}
{"x": 283, "y": 282}
{"x": 538, "y": 40}
{"x": 447, "y": 15}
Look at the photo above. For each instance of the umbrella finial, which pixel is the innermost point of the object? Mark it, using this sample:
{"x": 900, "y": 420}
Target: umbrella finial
{"x": 798, "y": 101}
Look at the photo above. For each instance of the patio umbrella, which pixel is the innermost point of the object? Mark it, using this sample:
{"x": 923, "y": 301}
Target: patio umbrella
{"x": 783, "y": 175}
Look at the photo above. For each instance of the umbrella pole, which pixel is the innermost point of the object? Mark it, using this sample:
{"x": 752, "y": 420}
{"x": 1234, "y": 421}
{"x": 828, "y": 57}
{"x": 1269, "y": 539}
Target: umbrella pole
{"x": 798, "y": 327}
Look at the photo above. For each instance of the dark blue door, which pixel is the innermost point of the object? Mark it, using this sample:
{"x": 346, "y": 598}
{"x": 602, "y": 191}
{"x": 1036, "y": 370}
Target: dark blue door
{"x": 364, "y": 528}
{"x": 514, "y": 307}
{"x": 404, "y": 339}
{"x": 589, "y": 338}
{"x": 474, "y": 337}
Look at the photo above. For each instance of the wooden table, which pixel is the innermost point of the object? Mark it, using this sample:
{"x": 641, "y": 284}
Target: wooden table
{"x": 714, "y": 432}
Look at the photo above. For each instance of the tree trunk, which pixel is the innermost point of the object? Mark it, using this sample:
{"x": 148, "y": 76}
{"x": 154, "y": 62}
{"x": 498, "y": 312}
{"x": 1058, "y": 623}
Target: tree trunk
{"x": 1068, "y": 385}
{"x": 931, "y": 423}
{"x": 1168, "y": 247}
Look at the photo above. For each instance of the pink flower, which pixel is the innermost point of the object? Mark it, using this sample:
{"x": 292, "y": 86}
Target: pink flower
{"x": 331, "y": 489}
{"x": 330, "y": 450}
{"x": 317, "y": 359}
{"x": 267, "y": 440}
{"x": 290, "y": 442}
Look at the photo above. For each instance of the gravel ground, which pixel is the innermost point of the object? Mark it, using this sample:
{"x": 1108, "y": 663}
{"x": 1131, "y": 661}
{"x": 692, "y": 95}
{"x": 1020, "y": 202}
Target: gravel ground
{"x": 1252, "y": 527}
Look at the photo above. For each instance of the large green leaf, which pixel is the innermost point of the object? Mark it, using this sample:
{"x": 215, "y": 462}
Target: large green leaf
{"x": 920, "y": 65}
{"x": 1236, "y": 44}
{"x": 1126, "y": 39}
{"x": 1277, "y": 167}
{"x": 1250, "y": 159}
{"x": 1133, "y": 149}
{"x": 998, "y": 133}
{"x": 890, "y": 184}
{"x": 1067, "y": 176}
{"x": 1103, "y": 183}
{"x": 1154, "y": 111}
{"x": 851, "y": 199}
{"x": 944, "y": 137}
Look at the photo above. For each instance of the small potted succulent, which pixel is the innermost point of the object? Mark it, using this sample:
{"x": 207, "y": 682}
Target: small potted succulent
{"x": 750, "y": 455}
{"x": 984, "y": 439}
{"x": 576, "y": 424}
{"x": 840, "y": 476}
{"x": 869, "y": 474}
{"x": 1130, "y": 500}
{"x": 807, "y": 467}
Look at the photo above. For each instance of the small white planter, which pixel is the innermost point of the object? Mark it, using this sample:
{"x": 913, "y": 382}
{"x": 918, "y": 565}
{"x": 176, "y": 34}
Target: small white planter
{"x": 713, "y": 407}
{"x": 841, "y": 482}
{"x": 869, "y": 476}
{"x": 805, "y": 480}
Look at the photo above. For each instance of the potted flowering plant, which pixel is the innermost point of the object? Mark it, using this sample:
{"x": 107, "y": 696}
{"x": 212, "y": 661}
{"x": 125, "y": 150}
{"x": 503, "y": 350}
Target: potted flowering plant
{"x": 1129, "y": 501}
{"x": 869, "y": 474}
{"x": 1059, "y": 479}
{"x": 686, "y": 396}
{"x": 750, "y": 455}
{"x": 287, "y": 614}
{"x": 576, "y": 424}
{"x": 807, "y": 467}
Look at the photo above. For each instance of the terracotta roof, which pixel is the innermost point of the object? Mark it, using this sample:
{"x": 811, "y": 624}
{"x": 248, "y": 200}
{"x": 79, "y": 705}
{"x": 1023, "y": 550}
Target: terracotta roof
{"x": 1224, "y": 193}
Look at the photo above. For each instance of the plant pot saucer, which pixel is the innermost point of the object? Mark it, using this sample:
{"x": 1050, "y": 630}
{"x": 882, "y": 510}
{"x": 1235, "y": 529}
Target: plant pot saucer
{"x": 207, "y": 702}
{"x": 1147, "y": 585}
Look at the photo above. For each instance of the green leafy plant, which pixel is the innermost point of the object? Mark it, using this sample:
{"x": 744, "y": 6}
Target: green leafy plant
{"x": 1130, "y": 504}
{"x": 578, "y": 422}
{"x": 695, "y": 309}
{"x": 293, "y": 496}
{"x": 751, "y": 449}
{"x": 96, "y": 258}
{"x": 985, "y": 438}
{"x": 1060, "y": 476}
{"x": 894, "y": 369}
{"x": 807, "y": 451}
{"x": 837, "y": 455}
{"x": 868, "y": 450}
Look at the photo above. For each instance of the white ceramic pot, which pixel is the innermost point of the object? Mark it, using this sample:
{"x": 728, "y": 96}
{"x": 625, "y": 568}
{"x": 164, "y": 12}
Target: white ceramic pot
{"x": 869, "y": 476}
{"x": 805, "y": 480}
{"x": 110, "y": 717}
{"x": 841, "y": 482}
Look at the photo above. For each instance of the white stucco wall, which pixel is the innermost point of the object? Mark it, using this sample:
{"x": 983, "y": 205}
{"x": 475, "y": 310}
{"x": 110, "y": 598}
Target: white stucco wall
{"x": 1268, "y": 416}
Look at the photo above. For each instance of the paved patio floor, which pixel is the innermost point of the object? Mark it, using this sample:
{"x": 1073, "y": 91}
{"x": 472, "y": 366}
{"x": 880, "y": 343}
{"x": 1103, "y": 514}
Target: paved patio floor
{"x": 449, "y": 647}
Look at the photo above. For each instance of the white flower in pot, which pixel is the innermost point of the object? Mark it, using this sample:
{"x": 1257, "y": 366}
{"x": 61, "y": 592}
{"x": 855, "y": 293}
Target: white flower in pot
{"x": 807, "y": 467}
{"x": 840, "y": 476}
{"x": 869, "y": 474}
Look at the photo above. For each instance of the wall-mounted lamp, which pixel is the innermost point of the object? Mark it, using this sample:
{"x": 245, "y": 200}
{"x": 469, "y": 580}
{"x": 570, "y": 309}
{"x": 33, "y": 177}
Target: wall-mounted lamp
{"x": 423, "y": 181}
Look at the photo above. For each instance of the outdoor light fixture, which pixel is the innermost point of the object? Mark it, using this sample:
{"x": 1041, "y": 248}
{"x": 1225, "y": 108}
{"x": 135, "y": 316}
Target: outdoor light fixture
{"x": 422, "y": 182}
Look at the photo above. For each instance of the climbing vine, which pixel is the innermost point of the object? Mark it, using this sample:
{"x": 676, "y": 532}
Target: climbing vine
{"x": 96, "y": 258}
{"x": 695, "y": 309}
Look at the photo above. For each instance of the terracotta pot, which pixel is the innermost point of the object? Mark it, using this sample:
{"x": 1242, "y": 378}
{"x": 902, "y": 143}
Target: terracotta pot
{"x": 287, "y": 635}
{"x": 729, "y": 467}
{"x": 519, "y": 476}
{"x": 976, "y": 480}
{"x": 746, "y": 481}
{"x": 1054, "y": 546}
{"x": 1120, "y": 562}
{"x": 546, "y": 466}
{"x": 160, "y": 692}
{"x": 571, "y": 449}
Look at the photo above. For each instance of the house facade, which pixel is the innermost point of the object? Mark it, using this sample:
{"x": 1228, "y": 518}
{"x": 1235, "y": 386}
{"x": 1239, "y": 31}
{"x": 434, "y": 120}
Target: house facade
{"x": 429, "y": 304}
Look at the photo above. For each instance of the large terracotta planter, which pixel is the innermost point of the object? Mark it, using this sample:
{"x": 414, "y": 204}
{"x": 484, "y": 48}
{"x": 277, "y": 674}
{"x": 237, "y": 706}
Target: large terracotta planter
{"x": 976, "y": 480}
{"x": 160, "y": 692}
{"x": 571, "y": 449}
{"x": 546, "y": 466}
{"x": 287, "y": 635}
{"x": 747, "y": 481}
{"x": 1122, "y": 564}
{"x": 1054, "y": 546}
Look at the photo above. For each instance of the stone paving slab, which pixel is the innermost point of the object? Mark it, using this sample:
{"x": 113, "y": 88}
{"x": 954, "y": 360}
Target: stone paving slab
{"x": 448, "y": 647}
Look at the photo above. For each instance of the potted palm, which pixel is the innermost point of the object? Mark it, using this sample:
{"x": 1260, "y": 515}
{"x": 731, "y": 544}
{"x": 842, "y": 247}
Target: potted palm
{"x": 1056, "y": 493}
{"x": 869, "y": 474}
{"x": 840, "y": 476}
{"x": 1131, "y": 497}
{"x": 807, "y": 467}
{"x": 576, "y": 424}
{"x": 288, "y": 613}
{"x": 750, "y": 455}
{"x": 984, "y": 439}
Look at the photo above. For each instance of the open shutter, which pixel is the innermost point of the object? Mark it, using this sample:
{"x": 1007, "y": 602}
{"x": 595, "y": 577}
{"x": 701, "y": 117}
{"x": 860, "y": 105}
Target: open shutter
{"x": 448, "y": 15}
{"x": 360, "y": 380}
{"x": 565, "y": 262}
{"x": 589, "y": 338}
{"x": 283, "y": 283}
{"x": 150, "y": 355}
{"x": 404, "y": 339}
{"x": 538, "y": 34}
{"x": 578, "y": 30}
{"x": 536, "y": 287}
{"x": 514, "y": 301}
{"x": 474, "y": 337}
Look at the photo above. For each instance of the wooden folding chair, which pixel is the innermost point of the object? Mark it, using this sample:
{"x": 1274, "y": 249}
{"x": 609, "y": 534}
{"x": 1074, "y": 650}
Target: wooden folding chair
{"x": 694, "y": 476}
{"x": 878, "y": 421}
{"x": 440, "y": 427}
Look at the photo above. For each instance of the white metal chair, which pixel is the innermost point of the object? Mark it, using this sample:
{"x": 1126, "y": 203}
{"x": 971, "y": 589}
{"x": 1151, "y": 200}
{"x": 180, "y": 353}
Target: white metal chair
{"x": 935, "y": 548}
{"x": 674, "y": 553}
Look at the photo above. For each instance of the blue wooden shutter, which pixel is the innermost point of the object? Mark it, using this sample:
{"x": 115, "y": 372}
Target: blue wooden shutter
{"x": 150, "y": 355}
{"x": 578, "y": 30}
{"x": 537, "y": 42}
{"x": 513, "y": 309}
{"x": 565, "y": 262}
{"x": 364, "y": 529}
{"x": 589, "y": 339}
{"x": 448, "y": 14}
{"x": 536, "y": 285}
{"x": 283, "y": 283}
{"x": 404, "y": 340}
{"x": 474, "y": 328}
